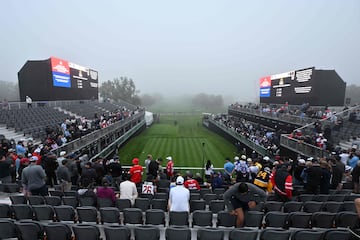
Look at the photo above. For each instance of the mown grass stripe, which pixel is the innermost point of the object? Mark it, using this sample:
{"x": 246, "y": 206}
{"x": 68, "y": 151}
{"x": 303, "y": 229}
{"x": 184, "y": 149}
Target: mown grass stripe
{"x": 183, "y": 141}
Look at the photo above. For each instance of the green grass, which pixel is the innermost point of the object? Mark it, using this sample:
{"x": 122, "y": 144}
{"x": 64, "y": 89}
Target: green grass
{"x": 181, "y": 140}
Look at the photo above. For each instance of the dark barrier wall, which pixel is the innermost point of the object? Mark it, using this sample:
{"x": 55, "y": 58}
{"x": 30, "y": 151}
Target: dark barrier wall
{"x": 316, "y": 87}
{"x": 36, "y": 79}
{"x": 329, "y": 88}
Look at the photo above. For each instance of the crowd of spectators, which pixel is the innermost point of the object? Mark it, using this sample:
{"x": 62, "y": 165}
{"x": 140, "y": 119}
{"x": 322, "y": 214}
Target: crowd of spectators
{"x": 260, "y": 135}
{"x": 302, "y": 111}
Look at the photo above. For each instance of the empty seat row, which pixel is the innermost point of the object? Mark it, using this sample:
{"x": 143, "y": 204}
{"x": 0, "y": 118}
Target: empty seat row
{"x": 302, "y": 220}
{"x": 27, "y": 230}
{"x": 197, "y": 218}
{"x": 308, "y": 206}
{"x": 327, "y": 197}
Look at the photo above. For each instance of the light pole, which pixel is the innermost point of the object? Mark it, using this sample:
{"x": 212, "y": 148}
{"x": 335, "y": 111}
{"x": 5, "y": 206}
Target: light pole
{"x": 203, "y": 159}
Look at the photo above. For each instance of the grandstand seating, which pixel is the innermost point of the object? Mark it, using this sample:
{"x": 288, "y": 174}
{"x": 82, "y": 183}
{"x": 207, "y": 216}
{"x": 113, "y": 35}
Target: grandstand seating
{"x": 317, "y": 223}
{"x": 33, "y": 121}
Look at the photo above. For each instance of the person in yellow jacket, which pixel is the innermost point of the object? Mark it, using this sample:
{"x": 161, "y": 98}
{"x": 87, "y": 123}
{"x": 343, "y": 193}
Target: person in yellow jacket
{"x": 262, "y": 180}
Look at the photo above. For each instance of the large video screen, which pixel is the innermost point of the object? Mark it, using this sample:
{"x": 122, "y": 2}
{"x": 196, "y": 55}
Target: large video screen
{"x": 294, "y": 87}
{"x": 81, "y": 81}
{"x": 56, "y": 79}
{"x": 60, "y": 73}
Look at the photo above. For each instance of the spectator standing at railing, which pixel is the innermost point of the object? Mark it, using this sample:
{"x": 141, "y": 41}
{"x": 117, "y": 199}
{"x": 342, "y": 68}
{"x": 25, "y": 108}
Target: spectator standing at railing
{"x": 136, "y": 172}
{"x": 147, "y": 162}
{"x": 5, "y": 104}
{"x": 28, "y": 101}
{"x": 229, "y": 169}
{"x": 209, "y": 170}
{"x": 169, "y": 167}
{"x": 241, "y": 169}
{"x": 115, "y": 170}
{"x": 154, "y": 167}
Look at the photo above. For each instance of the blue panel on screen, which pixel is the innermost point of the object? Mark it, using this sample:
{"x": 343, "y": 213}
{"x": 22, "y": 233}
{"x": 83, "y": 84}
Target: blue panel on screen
{"x": 265, "y": 92}
{"x": 61, "y": 80}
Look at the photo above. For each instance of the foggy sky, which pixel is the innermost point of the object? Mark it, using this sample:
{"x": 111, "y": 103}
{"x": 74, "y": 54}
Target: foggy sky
{"x": 176, "y": 47}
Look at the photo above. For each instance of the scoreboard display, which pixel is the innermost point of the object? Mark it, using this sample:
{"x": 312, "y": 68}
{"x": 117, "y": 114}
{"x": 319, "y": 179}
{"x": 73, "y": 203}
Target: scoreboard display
{"x": 57, "y": 79}
{"x": 303, "y": 86}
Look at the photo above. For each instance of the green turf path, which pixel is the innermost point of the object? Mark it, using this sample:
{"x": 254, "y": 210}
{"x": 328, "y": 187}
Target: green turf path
{"x": 180, "y": 136}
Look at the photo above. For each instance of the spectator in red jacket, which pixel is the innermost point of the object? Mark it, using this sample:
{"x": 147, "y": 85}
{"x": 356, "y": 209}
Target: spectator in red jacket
{"x": 191, "y": 183}
{"x": 136, "y": 172}
{"x": 282, "y": 181}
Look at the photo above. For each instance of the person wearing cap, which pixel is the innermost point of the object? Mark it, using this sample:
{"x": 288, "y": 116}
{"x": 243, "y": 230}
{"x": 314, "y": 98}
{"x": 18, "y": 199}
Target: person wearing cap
{"x": 169, "y": 167}
{"x": 240, "y": 197}
{"x": 179, "y": 197}
{"x": 298, "y": 169}
{"x": 24, "y": 162}
{"x": 33, "y": 178}
{"x": 266, "y": 160}
{"x": 136, "y": 172}
{"x": 61, "y": 157}
{"x": 254, "y": 169}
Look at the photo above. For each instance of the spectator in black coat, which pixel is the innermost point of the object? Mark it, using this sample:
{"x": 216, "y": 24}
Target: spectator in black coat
{"x": 88, "y": 175}
{"x": 116, "y": 171}
{"x": 50, "y": 165}
{"x": 314, "y": 174}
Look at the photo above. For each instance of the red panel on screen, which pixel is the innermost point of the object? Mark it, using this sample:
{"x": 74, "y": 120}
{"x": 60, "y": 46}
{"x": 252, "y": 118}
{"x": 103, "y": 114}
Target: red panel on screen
{"x": 59, "y": 65}
{"x": 265, "y": 82}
